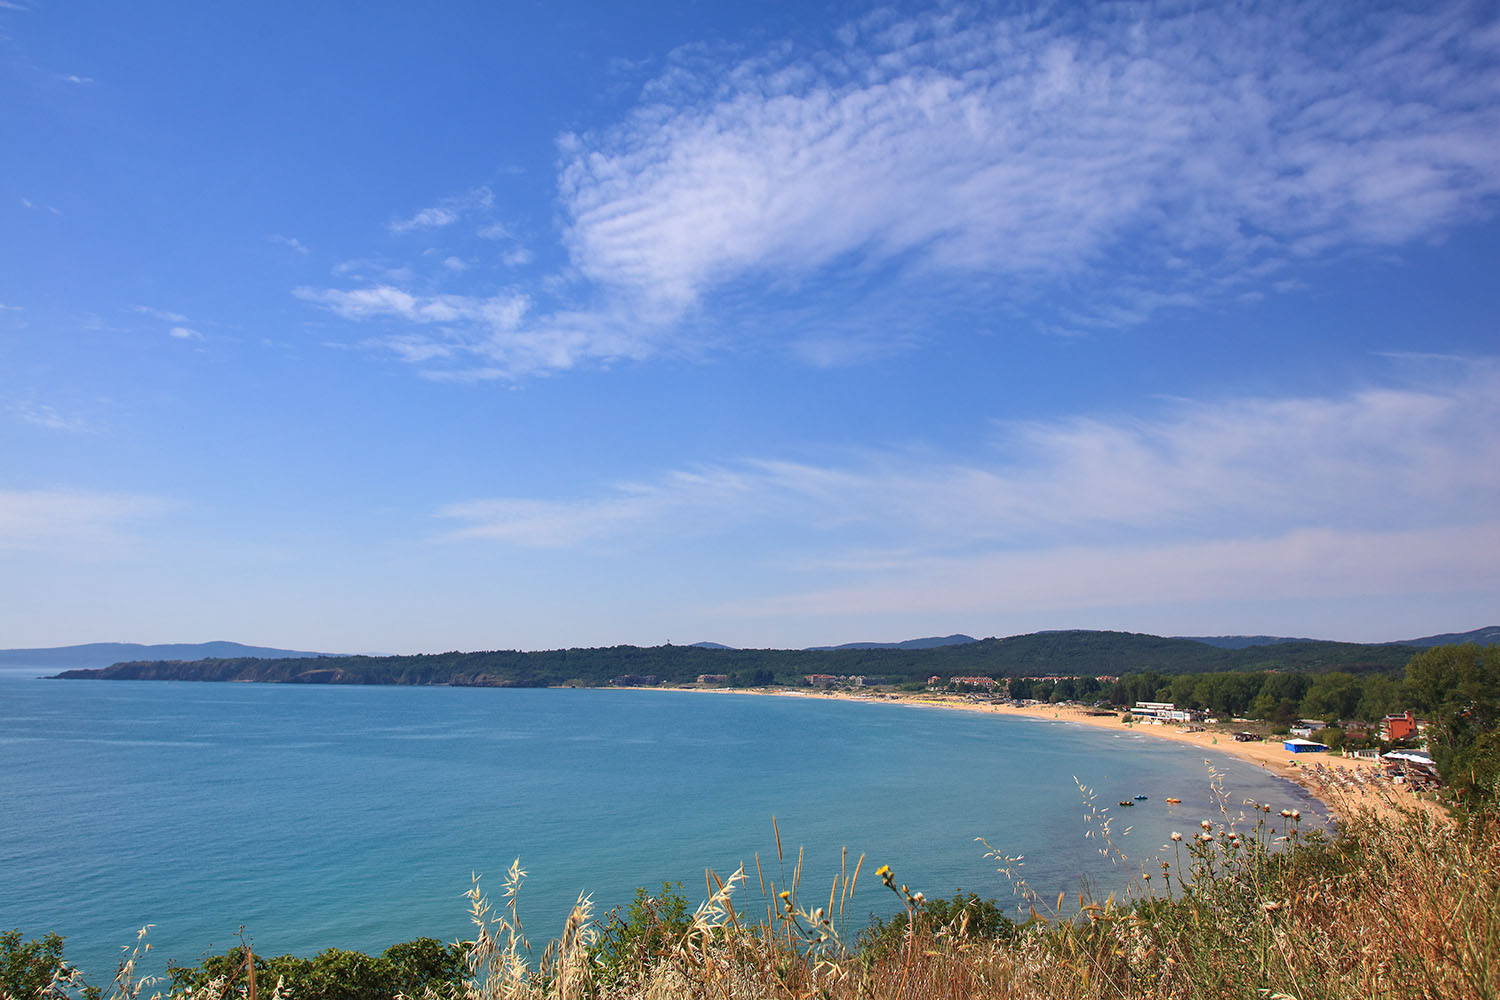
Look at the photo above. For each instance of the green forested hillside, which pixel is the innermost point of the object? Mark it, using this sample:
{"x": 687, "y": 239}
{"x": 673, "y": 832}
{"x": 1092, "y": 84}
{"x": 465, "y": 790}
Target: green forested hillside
{"x": 1038, "y": 654}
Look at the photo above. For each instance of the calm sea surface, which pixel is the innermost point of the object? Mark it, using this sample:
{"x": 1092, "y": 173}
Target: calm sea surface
{"x": 353, "y": 817}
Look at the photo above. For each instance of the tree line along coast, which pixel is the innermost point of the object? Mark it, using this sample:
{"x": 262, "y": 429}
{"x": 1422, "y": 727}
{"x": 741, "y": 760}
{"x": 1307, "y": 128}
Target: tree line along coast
{"x": 1043, "y": 654}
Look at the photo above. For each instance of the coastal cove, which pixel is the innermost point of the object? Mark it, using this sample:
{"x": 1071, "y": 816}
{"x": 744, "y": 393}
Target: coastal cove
{"x": 353, "y": 817}
{"x": 1268, "y": 755}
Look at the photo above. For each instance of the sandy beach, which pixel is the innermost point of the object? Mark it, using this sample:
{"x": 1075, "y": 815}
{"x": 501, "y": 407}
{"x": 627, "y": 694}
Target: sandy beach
{"x": 1337, "y": 781}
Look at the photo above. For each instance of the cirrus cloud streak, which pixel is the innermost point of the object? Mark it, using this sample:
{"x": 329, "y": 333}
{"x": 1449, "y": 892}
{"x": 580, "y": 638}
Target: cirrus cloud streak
{"x": 1257, "y": 494}
{"x": 72, "y": 522}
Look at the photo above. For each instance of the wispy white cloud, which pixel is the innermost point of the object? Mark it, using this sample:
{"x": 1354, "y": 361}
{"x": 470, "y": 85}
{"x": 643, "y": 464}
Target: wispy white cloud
{"x": 42, "y": 415}
{"x": 370, "y": 271}
{"x": 289, "y": 241}
{"x": 72, "y": 522}
{"x": 1227, "y": 498}
{"x": 446, "y": 212}
{"x": 634, "y": 508}
{"x": 177, "y": 323}
{"x": 514, "y": 254}
{"x": 427, "y": 218}
{"x": 75, "y": 78}
{"x": 166, "y": 316}
{"x": 1304, "y": 564}
{"x": 481, "y": 337}
{"x": 501, "y": 311}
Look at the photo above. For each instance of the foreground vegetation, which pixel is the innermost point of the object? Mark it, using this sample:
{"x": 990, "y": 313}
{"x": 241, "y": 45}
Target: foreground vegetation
{"x": 1386, "y": 908}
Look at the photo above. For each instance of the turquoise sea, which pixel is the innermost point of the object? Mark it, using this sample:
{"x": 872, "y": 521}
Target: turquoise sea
{"x": 353, "y": 817}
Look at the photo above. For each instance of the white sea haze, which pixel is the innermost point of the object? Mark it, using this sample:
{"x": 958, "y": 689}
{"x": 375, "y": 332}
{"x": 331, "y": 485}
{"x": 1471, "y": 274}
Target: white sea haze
{"x": 353, "y": 817}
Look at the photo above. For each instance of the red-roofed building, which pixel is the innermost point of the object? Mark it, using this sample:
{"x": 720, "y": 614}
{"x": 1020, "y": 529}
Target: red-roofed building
{"x": 1398, "y": 727}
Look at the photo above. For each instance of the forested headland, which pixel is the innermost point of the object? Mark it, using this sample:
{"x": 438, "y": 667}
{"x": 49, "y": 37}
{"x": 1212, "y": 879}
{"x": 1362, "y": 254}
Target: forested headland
{"x": 1056, "y": 654}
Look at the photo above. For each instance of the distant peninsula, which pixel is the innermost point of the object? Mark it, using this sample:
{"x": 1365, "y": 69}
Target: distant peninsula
{"x": 102, "y": 654}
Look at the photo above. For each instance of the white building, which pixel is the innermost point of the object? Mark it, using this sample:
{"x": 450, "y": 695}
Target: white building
{"x": 1164, "y": 711}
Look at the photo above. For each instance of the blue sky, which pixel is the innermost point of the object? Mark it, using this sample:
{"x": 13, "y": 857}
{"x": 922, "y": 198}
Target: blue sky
{"x": 468, "y": 325}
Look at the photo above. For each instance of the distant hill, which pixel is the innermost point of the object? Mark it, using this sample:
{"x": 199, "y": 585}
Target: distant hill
{"x": 930, "y": 643}
{"x": 1082, "y": 652}
{"x": 1241, "y": 641}
{"x": 102, "y": 654}
{"x": 1482, "y": 636}
{"x": 710, "y": 645}
{"x": 1487, "y": 636}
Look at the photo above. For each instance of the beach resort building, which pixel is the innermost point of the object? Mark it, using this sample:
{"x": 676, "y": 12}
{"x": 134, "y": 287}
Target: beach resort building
{"x": 1157, "y": 712}
{"x": 1300, "y": 745}
{"x": 832, "y": 680}
{"x": 1412, "y": 766}
{"x": 1398, "y": 727}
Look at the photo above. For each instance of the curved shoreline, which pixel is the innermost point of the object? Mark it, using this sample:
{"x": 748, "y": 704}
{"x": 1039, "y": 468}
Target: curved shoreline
{"x": 1355, "y": 781}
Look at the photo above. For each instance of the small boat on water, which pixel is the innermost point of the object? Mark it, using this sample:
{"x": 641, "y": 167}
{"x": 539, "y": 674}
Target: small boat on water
{"x": 1126, "y": 802}
{"x": 1174, "y": 802}
{"x": 1140, "y": 798}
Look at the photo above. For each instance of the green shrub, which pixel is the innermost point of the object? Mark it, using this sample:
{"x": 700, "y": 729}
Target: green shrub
{"x": 335, "y": 974}
{"x": 35, "y": 970}
{"x": 966, "y": 916}
{"x": 650, "y": 928}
